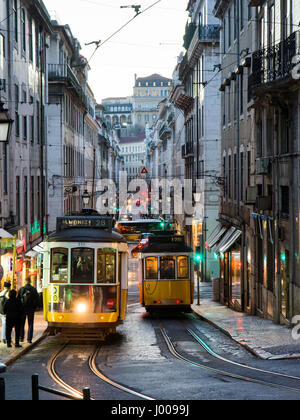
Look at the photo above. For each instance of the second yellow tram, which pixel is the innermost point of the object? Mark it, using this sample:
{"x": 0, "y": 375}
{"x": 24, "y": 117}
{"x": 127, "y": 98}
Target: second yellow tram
{"x": 166, "y": 274}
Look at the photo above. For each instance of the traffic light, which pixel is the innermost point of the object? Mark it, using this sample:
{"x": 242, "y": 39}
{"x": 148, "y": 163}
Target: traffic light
{"x": 198, "y": 257}
{"x": 162, "y": 225}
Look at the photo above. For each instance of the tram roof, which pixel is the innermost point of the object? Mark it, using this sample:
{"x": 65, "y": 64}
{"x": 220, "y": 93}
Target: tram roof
{"x": 171, "y": 244}
{"x": 85, "y": 229}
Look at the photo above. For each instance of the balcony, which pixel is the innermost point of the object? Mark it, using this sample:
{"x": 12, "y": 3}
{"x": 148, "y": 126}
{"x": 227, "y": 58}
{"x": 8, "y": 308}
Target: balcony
{"x": 189, "y": 33}
{"x": 64, "y": 73}
{"x": 205, "y": 34}
{"x": 274, "y": 64}
{"x": 164, "y": 132}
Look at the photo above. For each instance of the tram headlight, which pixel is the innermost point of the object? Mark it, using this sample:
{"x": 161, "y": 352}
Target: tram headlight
{"x": 81, "y": 308}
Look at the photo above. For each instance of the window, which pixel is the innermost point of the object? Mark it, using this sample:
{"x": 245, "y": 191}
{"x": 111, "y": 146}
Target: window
{"x": 59, "y": 265}
{"x": 25, "y": 200}
{"x": 82, "y": 265}
{"x": 15, "y": 14}
{"x": 30, "y": 40}
{"x": 106, "y": 266}
{"x": 167, "y": 268}
{"x": 32, "y": 200}
{"x": 182, "y": 268}
{"x": 23, "y": 24}
{"x": 285, "y": 201}
{"x": 151, "y": 268}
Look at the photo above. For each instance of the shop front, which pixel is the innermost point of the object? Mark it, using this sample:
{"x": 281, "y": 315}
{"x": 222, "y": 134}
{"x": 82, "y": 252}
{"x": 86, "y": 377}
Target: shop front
{"x": 229, "y": 251}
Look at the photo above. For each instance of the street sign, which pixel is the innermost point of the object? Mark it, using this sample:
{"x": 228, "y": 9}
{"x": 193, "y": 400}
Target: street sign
{"x": 144, "y": 171}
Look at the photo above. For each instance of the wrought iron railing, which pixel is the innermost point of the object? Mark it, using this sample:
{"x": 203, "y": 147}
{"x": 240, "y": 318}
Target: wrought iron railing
{"x": 189, "y": 34}
{"x": 275, "y": 63}
{"x": 209, "y": 33}
{"x": 63, "y": 72}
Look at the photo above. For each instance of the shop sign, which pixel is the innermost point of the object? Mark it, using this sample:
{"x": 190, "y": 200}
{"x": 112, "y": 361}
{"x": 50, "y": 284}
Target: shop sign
{"x": 35, "y": 231}
{"x": 19, "y": 266}
{"x": 7, "y": 243}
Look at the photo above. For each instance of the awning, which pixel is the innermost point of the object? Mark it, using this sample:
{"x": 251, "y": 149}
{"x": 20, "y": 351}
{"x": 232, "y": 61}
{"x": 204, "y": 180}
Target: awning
{"x": 229, "y": 240}
{"x": 31, "y": 254}
{"x": 215, "y": 237}
{"x": 39, "y": 248}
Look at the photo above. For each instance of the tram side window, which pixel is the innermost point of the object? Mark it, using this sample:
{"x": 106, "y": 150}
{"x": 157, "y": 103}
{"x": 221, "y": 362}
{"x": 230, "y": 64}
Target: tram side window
{"x": 106, "y": 266}
{"x": 182, "y": 268}
{"x": 167, "y": 268}
{"x": 151, "y": 268}
{"x": 82, "y": 260}
{"x": 59, "y": 265}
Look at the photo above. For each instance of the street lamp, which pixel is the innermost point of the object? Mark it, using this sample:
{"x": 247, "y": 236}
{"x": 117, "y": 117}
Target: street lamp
{"x": 5, "y": 124}
{"x": 86, "y": 198}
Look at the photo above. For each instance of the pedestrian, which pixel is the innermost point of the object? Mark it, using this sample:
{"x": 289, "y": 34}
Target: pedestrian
{"x": 30, "y": 301}
{"x": 4, "y": 296}
{"x": 13, "y": 310}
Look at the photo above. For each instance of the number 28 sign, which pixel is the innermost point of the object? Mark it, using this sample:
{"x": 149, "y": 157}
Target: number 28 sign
{"x": 53, "y": 294}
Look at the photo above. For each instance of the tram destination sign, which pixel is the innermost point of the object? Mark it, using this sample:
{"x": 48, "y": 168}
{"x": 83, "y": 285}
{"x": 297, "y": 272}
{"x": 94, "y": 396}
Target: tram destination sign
{"x": 74, "y": 222}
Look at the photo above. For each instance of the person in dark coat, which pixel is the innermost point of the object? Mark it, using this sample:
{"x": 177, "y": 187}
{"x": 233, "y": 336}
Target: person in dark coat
{"x": 13, "y": 310}
{"x": 30, "y": 301}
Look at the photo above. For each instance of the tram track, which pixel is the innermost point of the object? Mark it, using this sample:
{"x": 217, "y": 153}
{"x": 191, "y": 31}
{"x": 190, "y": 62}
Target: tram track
{"x": 94, "y": 369}
{"x": 220, "y": 371}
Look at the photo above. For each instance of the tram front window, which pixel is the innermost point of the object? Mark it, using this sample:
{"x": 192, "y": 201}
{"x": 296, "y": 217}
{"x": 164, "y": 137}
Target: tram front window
{"x": 59, "y": 265}
{"x": 82, "y": 265}
{"x": 182, "y": 267}
{"x": 167, "y": 268}
{"x": 151, "y": 268}
{"x": 106, "y": 266}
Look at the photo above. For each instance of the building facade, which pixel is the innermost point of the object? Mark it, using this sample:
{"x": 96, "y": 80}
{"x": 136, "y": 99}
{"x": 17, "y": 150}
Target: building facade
{"x": 259, "y": 210}
{"x": 25, "y": 31}
{"x": 197, "y": 96}
{"x": 133, "y": 151}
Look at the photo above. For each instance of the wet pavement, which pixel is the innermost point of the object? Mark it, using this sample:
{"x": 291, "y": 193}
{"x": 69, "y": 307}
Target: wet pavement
{"x": 262, "y": 337}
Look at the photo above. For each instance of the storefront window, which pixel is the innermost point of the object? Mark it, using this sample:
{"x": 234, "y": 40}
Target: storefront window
{"x": 106, "y": 266}
{"x": 82, "y": 261}
{"x": 59, "y": 265}
{"x": 151, "y": 268}
{"x": 236, "y": 276}
{"x": 183, "y": 267}
{"x": 167, "y": 268}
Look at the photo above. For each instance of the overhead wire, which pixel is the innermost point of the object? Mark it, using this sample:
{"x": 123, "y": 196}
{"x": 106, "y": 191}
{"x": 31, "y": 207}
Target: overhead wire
{"x": 121, "y": 28}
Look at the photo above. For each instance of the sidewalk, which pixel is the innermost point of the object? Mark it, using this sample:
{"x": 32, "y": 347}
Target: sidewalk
{"x": 260, "y": 336}
{"x": 8, "y": 356}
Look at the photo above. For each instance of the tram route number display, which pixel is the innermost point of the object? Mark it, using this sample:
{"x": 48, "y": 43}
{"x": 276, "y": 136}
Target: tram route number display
{"x": 83, "y": 222}
{"x": 53, "y": 294}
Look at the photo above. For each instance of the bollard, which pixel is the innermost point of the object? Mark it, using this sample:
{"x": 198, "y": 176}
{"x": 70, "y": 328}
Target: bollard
{"x": 86, "y": 394}
{"x": 2, "y": 383}
{"x": 35, "y": 387}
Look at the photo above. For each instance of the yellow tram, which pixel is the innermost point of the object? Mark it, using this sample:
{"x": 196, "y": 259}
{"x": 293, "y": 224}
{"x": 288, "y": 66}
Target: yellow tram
{"x": 85, "y": 278}
{"x": 166, "y": 274}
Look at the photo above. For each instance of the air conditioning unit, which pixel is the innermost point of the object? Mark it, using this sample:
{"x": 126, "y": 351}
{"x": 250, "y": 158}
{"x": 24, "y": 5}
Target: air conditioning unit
{"x": 251, "y": 194}
{"x": 263, "y": 166}
{"x": 264, "y": 203}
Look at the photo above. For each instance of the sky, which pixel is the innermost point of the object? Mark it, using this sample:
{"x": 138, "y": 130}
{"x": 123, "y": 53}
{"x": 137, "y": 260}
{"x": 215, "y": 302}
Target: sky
{"x": 150, "y": 44}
